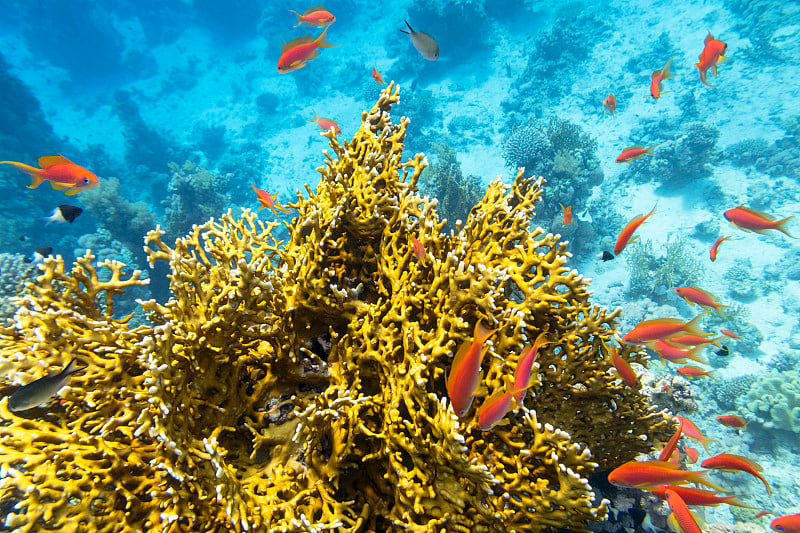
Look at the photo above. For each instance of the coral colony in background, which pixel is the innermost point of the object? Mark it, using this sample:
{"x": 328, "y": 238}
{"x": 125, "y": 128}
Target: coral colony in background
{"x": 403, "y": 343}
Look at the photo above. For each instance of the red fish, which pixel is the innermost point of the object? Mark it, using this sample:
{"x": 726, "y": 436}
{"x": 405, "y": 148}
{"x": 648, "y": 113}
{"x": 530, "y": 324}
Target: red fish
{"x": 63, "y": 174}
{"x": 326, "y": 124}
{"x": 314, "y": 16}
{"x": 419, "y": 250}
{"x": 732, "y": 421}
{"x": 713, "y": 252}
{"x": 692, "y": 455}
{"x": 566, "y": 218}
{"x": 296, "y": 53}
{"x": 626, "y": 235}
{"x": 693, "y": 432}
{"x": 634, "y": 152}
{"x": 610, "y": 104}
{"x": 696, "y": 295}
{"x": 269, "y": 201}
{"x": 660, "y": 328}
{"x": 688, "y": 339}
{"x": 751, "y": 220}
{"x": 659, "y": 76}
{"x": 692, "y": 372}
{"x": 730, "y": 334}
{"x": 522, "y": 375}
{"x": 712, "y": 55}
{"x": 465, "y": 370}
{"x": 693, "y": 496}
{"x": 651, "y": 474}
{"x": 728, "y": 461}
{"x": 789, "y": 523}
{"x": 623, "y": 367}
{"x": 377, "y": 77}
{"x": 672, "y": 443}
{"x": 670, "y": 352}
{"x": 681, "y": 513}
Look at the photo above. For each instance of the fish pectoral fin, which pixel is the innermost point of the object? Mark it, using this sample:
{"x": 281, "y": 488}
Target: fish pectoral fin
{"x": 722, "y": 59}
{"x": 59, "y": 186}
{"x": 312, "y": 55}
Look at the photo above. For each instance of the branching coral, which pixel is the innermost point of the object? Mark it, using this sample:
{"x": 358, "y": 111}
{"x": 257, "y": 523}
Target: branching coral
{"x": 300, "y": 385}
{"x": 774, "y": 400}
{"x": 654, "y": 276}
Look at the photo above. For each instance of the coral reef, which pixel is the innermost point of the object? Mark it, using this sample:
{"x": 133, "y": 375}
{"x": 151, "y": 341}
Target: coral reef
{"x": 529, "y": 147}
{"x": 15, "y": 272}
{"x": 670, "y": 392}
{"x": 741, "y": 282}
{"x": 653, "y": 276}
{"x": 683, "y": 159}
{"x": 300, "y": 385}
{"x": 774, "y": 400}
{"x": 194, "y": 197}
{"x": 728, "y": 390}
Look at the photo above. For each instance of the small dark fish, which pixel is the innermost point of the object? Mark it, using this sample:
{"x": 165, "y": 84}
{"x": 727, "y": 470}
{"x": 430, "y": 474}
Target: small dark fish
{"x": 723, "y": 352}
{"x": 424, "y": 43}
{"x": 22, "y": 238}
{"x": 39, "y": 254}
{"x": 606, "y": 256}
{"x": 40, "y": 391}
{"x": 64, "y": 213}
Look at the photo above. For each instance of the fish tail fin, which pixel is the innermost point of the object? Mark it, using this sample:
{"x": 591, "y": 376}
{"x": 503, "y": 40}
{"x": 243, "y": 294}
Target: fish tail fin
{"x": 703, "y": 76}
{"x": 410, "y": 29}
{"x": 734, "y": 500}
{"x": 33, "y": 172}
{"x": 691, "y": 326}
{"x": 312, "y": 120}
{"x": 701, "y": 477}
{"x": 299, "y": 17}
{"x": 779, "y": 226}
{"x": 322, "y": 40}
{"x": 665, "y": 72}
{"x": 647, "y": 151}
{"x": 695, "y": 355}
{"x": 482, "y": 333}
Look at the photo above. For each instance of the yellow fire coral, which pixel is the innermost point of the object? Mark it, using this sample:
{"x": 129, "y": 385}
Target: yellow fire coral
{"x": 300, "y": 385}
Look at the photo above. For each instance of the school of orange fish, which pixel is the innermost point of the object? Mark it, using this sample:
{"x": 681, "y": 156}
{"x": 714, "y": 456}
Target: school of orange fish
{"x": 672, "y": 339}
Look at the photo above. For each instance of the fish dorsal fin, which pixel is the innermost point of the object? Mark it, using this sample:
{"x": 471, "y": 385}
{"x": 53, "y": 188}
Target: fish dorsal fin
{"x": 754, "y": 465}
{"x": 634, "y": 147}
{"x": 660, "y": 464}
{"x": 655, "y": 74}
{"x": 305, "y": 39}
{"x": 50, "y": 160}
{"x": 708, "y": 38}
{"x": 752, "y": 211}
{"x": 313, "y": 10}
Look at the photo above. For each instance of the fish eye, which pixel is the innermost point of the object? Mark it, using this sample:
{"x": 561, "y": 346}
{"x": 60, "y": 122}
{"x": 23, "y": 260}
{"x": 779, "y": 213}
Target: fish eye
{"x": 85, "y": 180}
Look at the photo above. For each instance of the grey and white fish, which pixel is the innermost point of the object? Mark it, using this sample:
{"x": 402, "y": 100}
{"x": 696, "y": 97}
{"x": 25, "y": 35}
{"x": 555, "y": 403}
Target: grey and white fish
{"x": 424, "y": 43}
{"x": 40, "y": 391}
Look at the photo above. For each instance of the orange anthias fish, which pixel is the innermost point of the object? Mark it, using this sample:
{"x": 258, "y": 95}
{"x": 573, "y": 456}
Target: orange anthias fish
{"x": 377, "y": 77}
{"x": 672, "y": 443}
{"x": 715, "y": 247}
{"x": 681, "y": 513}
{"x": 659, "y": 329}
{"x": 269, "y": 201}
{"x": 326, "y": 124}
{"x": 693, "y": 432}
{"x": 751, "y": 220}
{"x": 609, "y": 104}
{"x": 626, "y": 235}
{"x": 659, "y": 76}
{"x": 693, "y": 496}
{"x": 712, "y": 55}
{"x": 732, "y": 421}
{"x": 730, "y": 334}
{"x": 314, "y": 16}
{"x": 624, "y": 369}
{"x": 696, "y": 295}
{"x": 297, "y": 52}
{"x": 789, "y": 523}
{"x": 465, "y": 370}
{"x": 688, "y": 339}
{"x": 670, "y": 352}
{"x": 566, "y": 218}
{"x": 522, "y": 375}
{"x": 63, "y": 174}
{"x": 692, "y": 455}
{"x": 651, "y": 474}
{"x": 419, "y": 250}
{"x": 692, "y": 372}
{"x": 634, "y": 152}
{"x": 729, "y": 461}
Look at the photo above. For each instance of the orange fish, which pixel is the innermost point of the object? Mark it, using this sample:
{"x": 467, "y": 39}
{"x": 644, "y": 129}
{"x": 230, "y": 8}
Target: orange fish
{"x": 672, "y": 443}
{"x": 691, "y": 454}
{"x": 326, "y": 124}
{"x": 624, "y": 369}
{"x": 670, "y": 352}
{"x": 696, "y": 295}
{"x": 651, "y": 474}
{"x": 660, "y": 328}
{"x": 681, "y": 513}
{"x": 659, "y": 76}
{"x": 693, "y": 432}
{"x": 713, "y": 252}
{"x": 419, "y": 250}
{"x": 297, "y": 52}
{"x": 762, "y": 513}
{"x": 566, "y": 218}
{"x": 730, "y": 334}
{"x": 712, "y": 55}
{"x": 694, "y": 496}
{"x": 522, "y": 375}
{"x": 610, "y": 104}
{"x": 729, "y": 461}
{"x": 377, "y": 77}
{"x": 314, "y": 16}
{"x": 751, "y": 220}
{"x": 692, "y": 372}
{"x": 269, "y": 201}
{"x": 63, "y": 174}
{"x": 688, "y": 339}
{"x": 626, "y": 235}
{"x": 789, "y": 523}
{"x": 465, "y": 370}
{"x": 634, "y": 152}
{"x": 497, "y": 406}
{"x": 732, "y": 421}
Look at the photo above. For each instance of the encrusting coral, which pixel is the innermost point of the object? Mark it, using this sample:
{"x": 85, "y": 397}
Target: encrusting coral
{"x": 300, "y": 385}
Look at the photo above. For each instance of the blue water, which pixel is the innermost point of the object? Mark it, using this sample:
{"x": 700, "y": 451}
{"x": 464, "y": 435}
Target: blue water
{"x": 135, "y": 92}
